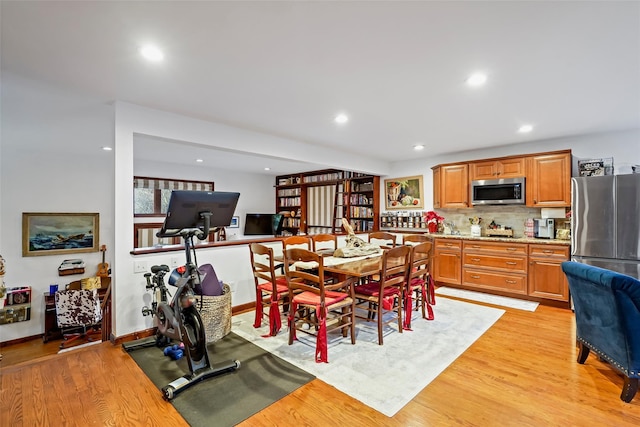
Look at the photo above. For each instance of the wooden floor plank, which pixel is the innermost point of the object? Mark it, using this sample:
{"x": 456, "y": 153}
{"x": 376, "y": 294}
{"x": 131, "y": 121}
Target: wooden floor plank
{"x": 522, "y": 371}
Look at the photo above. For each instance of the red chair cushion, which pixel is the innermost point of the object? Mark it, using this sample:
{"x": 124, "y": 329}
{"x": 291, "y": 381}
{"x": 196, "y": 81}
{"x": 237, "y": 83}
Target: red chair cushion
{"x": 416, "y": 281}
{"x": 280, "y": 286}
{"x": 310, "y": 298}
{"x": 373, "y": 289}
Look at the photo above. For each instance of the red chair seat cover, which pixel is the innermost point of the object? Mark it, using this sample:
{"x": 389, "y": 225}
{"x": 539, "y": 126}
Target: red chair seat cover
{"x": 310, "y": 298}
{"x": 373, "y": 289}
{"x": 274, "y": 309}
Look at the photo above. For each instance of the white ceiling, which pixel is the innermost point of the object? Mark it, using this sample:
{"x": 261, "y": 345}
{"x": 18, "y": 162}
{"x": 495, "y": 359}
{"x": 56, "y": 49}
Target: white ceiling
{"x": 397, "y": 68}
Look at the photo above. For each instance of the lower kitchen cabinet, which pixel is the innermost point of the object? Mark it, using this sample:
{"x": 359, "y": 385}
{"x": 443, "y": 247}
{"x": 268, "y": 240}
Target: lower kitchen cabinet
{"x": 524, "y": 270}
{"x": 546, "y": 279}
{"x": 496, "y": 266}
{"x": 447, "y": 266}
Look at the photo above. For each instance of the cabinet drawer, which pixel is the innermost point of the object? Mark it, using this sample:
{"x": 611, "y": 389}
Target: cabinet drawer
{"x": 549, "y": 251}
{"x": 502, "y": 263}
{"x": 496, "y": 247}
{"x": 498, "y": 281}
{"x": 448, "y": 244}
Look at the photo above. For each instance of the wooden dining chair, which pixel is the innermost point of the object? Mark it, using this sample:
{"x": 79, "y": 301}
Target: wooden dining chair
{"x": 271, "y": 290}
{"x": 420, "y": 283}
{"x": 303, "y": 242}
{"x": 383, "y": 239}
{"x": 412, "y": 239}
{"x": 317, "y": 307}
{"x": 324, "y": 241}
{"x": 385, "y": 295}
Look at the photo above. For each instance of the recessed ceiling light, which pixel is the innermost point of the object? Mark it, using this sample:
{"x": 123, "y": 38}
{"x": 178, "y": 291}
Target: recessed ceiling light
{"x": 341, "y": 118}
{"x": 525, "y": 129}
{"x": 477, "y": 79}
{"x": 267, "y": 169}
{"x": 418, "y": 147}
{"x": 152, "y": 53}
{"x": 107, "y": 148}
{"x": 199, "y": 160}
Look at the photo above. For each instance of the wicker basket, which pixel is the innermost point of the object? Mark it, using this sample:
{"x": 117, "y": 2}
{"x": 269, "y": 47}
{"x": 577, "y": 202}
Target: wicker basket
{"x": 216, "y": 314}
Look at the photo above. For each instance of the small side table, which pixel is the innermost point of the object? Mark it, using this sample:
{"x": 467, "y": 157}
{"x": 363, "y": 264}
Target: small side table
{"x": 51, "y": 330}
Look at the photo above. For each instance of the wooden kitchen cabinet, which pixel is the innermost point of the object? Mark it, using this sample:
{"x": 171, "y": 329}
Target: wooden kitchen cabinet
{"x": 546, "y": 279}
{"x": 451, "y": 186}
{"x": 548, "y": 180}
{"x": 495, "y": 266}
{"x": 496, "y": 169}
{"x": 447, "y": 265}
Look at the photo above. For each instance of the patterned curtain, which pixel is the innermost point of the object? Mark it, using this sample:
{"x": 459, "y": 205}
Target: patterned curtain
{"x": 320, "y": 202}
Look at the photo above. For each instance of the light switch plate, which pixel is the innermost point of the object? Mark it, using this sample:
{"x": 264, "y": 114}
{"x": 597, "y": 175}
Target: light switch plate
{"x": 139, "y": 266}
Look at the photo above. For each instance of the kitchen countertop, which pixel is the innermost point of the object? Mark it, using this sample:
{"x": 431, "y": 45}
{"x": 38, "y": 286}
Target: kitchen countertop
{"x": 482, "y": 238}
{"x": 503, "y": 239}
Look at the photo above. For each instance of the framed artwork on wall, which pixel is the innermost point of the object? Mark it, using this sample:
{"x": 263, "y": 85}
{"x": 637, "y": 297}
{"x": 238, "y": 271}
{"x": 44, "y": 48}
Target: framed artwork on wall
{"x": 404, "y": 193}
{"x": 235, "y": 222}
{"x": 59, "y": 233}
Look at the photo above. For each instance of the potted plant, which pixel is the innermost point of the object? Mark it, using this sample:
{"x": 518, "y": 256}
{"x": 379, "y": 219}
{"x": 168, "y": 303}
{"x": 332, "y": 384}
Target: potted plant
{"x": 433, "y": 221}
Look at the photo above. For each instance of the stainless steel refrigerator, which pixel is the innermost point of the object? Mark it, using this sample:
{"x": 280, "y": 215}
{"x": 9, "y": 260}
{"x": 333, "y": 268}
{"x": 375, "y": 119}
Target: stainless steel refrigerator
{"x": 605, "y": 223}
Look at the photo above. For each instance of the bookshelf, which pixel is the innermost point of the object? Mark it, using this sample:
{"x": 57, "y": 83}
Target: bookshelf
{"x": 356, "y": 197}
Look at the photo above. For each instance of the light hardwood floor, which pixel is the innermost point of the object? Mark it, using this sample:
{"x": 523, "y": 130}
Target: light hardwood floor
{"x": 521, "y": 372}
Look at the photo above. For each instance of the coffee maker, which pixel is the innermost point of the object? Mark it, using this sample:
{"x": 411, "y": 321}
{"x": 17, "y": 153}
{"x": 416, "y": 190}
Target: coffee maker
{"x": 544, "y": 228}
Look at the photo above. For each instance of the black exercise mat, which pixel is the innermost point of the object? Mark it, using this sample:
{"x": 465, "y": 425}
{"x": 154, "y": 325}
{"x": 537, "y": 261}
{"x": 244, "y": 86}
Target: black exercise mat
{"x": 229, "y": 398}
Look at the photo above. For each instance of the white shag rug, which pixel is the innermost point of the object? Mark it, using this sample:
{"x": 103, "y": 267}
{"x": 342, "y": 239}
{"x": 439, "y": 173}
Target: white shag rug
{"x": 488, "y": 298}
{"x": 383, "y": 377}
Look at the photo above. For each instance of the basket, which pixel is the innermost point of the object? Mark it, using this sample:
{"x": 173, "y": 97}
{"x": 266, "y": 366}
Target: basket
{"x": 216, "y": 314}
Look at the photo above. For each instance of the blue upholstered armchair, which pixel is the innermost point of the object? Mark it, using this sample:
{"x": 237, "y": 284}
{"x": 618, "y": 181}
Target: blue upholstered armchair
{"x": 607, "y": 309}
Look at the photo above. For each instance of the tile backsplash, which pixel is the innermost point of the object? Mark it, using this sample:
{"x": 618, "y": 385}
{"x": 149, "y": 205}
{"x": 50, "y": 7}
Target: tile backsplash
{"x": 510, "y": 216}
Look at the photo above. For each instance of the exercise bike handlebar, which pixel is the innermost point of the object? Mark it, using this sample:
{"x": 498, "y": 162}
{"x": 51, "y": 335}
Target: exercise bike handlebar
{"x": 200, "y": 233}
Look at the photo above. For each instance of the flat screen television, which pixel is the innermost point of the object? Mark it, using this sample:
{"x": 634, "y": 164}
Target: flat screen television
{"x": 263, "y": 224}
{"x": 186, "y": 206}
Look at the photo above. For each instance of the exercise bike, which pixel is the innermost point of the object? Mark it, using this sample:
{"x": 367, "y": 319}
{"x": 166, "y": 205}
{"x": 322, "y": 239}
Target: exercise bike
{"x": 155, "y": 284}
{"x": 190, "y": 214}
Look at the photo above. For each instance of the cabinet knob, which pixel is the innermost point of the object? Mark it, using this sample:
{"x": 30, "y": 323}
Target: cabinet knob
{"x": 473, "y": 276}
{"x": 475, "y": 259}
{"x": 510, "y": 281}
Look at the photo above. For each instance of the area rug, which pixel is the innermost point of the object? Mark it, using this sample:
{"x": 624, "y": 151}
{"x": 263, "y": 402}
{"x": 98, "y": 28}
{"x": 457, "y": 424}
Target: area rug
{"x": 227, "y": 399}
{"x": 488, "y": 298}
{"x": 383, "y": 377}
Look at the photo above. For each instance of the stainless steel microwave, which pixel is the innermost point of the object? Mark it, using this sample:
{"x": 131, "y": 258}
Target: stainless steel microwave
{"x": 506, "y": 191}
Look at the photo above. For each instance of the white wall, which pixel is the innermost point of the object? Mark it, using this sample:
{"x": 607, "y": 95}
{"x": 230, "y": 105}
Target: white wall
{"x": 51, "y": 162}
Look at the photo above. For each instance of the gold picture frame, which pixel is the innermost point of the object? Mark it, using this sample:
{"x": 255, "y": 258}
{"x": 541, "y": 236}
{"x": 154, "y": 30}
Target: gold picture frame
{"x": 404, "y": 193}
{"x": 59, "y": 233}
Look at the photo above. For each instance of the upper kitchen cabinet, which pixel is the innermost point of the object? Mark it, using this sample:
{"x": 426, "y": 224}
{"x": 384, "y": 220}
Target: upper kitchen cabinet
{"x": 451, "y": 186}
{"x": 496, "y": 169}
{"x": 549, "y": 180}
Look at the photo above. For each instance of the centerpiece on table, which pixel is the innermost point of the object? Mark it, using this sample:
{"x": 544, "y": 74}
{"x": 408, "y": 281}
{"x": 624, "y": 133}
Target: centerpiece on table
{"x": 433, "y": 221}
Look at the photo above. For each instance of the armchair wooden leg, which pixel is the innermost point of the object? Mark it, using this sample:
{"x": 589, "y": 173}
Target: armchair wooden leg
{"x": 629, "y": 389}
{"x": 583, "y": 353}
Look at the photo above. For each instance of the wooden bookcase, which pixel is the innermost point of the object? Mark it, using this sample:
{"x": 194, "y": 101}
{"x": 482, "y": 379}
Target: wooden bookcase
{"x": 357, "y": 199}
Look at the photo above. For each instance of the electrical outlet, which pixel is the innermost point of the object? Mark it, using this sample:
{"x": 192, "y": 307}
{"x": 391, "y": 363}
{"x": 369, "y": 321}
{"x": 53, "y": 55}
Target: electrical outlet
{"x": 175, "y": 263}
{"x": 139, "y": 266}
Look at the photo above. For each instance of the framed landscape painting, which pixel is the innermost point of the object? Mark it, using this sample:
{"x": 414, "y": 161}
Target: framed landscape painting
{"x": 59, "y": 233}
{"x": 404, "y": 193}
